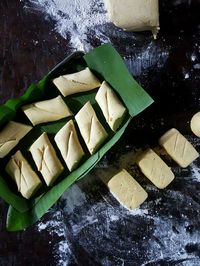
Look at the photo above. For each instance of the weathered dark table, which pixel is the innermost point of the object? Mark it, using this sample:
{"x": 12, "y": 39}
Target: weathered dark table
{"x": 88, "y": 226}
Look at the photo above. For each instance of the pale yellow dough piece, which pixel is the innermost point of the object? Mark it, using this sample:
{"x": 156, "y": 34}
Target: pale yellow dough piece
{"x": 178, "y": 147}
{"x": 112, "y": 108}
{"x": 81, "y": 81}
{"x": 134, "y": 15}
{"x": 195, "y": 124}
{"x": 47, "y": 111}
{"x": 91, "y": 129}
{"x": 127, "y": 190}
{"x": 155, "y": 169}
{"x": 46, "y": 159}
{"x": 21, "y": 172}
{"x": 10, "y": 136}
{"x": 69, "y": 145}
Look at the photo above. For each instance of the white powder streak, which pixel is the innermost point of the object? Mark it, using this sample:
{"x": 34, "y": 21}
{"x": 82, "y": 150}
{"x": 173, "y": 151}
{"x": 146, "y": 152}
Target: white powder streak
{"x": 77, "y": 17}
{"x": 56, "y": 227}
{"x": 195, "y": 172}
{"x": 73, "y": 197}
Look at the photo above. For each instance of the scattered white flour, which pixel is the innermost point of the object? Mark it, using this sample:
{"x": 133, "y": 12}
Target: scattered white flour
{"x": 57, "y": 228}
{"x": 145, "y": 58}
{"x": 193, "y": 57}
{"x": 73, "y": 197}
{"x": 87, "y": 221}
{"x": 187, "y": 76}
{"x": 77, "y": 17}
{"x": 176, "y": 241}
{"x": 195, "y": 170}
{"x": 179, "y": 2}
{"x": 196, "y": 66}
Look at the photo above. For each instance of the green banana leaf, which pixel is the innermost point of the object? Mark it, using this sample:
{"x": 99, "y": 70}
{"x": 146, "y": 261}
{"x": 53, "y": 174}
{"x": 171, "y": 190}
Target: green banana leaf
{"x": 107, "y": 64}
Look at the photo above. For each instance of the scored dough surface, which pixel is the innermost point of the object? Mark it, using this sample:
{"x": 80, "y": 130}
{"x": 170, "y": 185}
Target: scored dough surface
{"x": 21, "y": 172}
{"x": 10, "y": 136}
{"x": 46, "y": 160}
{"x": 81, "y": 81}
{"x": 112, "y": 108}
{"x": 155, "y": 169}
{"x": 178, "y": 147}
{"x": 127, "y": 190}
{"x": 47, "y": 111}
{"x": 69, "y": 145}
{"x": 91, "y": 129}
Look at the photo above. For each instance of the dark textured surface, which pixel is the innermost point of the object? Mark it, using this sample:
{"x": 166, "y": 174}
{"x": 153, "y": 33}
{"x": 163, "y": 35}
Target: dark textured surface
{"x": 96, "y": 230}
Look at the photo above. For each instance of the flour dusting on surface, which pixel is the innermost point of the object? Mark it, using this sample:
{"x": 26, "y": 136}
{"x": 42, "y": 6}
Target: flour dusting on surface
{"x": 89, "y": 218}
{"x": 77, "y": 18}
{"x": 57, "y": 229}
{"x": 73, "y": 198}
{"x": 195, "y": 172}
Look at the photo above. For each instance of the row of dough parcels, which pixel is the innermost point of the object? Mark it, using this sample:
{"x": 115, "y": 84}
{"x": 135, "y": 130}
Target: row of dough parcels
{"x": 56, "y": 109}
{"x": 129, "y": 192}
{"x": 44, "y": 154}
{"x": 66, "y": 139}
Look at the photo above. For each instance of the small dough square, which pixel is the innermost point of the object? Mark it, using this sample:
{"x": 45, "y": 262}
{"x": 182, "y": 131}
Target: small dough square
{"x": 69, "y": 145}
{"x": 155, "y": 169}
{"x": 91, "y": 129}
{"x": 46, "y": 159}
{"x": 21, "y": 172}
{"x": 112, "y": 108}
{"x": 81, "y": 81}
{"x": 134, "y": 15}
{"x": 178, "y": 147}
{"x": 10, "y": 136}
{"x": 47, "y": 111}
{"x": 127, "y": 190}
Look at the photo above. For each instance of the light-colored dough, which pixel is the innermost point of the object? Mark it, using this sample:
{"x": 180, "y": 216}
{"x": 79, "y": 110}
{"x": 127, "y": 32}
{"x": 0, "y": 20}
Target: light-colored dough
{"x": 134, "y": 15}
{"x": 127, "y": 190}
{"x": 47, "y": 111}
{"x": 178, "y": 147}
{"x": 21, "y": 172}
{"x": 10, "y": 136}
{"x": 81, "y": 81}
{"x": 69, "y": 145}
{"x": 155, "y": 169}
{"x": 91, "y": 129}
{"x": 46, "y": 159}
{"x": 111, "y": 106}
{"x": 195, "y": 124}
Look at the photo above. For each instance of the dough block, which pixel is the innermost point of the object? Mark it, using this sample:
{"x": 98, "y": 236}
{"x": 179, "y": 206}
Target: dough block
{"x": 69, "y": 145}
{"x": 91, "y": 129}
{"x": 134, "y": 15}
{"x": 46, "y": 159}
{"x": 127, "y": 190}
{"x": 10, "y": 136}
{"x": 178, "y": 147}
{"x": 47, "y": 111}
{"x": 195, "y": 124}
{"x": 81, "y": 81}
{"x": 155, "y": 169}
{"x": 112, "y": 108}
{"x": 21, "y": 172}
